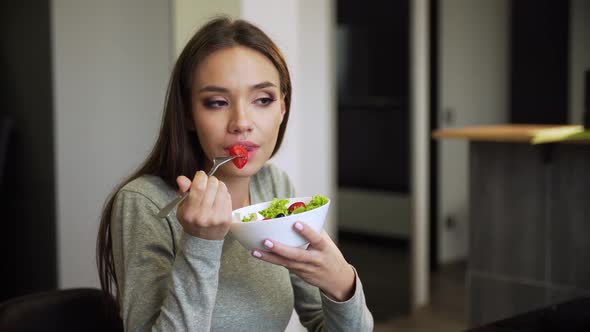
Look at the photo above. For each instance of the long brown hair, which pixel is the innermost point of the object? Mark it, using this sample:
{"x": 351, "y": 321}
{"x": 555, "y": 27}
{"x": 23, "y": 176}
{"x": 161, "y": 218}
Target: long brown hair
{"x": 177, "y": 150}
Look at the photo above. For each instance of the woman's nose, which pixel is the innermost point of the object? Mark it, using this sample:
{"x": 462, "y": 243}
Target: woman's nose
{"x": 240, "y": 121}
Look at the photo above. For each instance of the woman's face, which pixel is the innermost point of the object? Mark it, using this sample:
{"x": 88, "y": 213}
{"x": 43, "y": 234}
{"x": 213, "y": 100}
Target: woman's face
{"x": 236, "y": 99}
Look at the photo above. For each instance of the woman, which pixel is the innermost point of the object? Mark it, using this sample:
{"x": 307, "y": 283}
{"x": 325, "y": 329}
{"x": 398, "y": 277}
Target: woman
{"x": 229, "y": 86}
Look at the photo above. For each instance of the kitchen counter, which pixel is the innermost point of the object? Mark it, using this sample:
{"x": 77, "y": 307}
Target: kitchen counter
{"x": 529, "y": 221}
{"x": 513, "y": 133}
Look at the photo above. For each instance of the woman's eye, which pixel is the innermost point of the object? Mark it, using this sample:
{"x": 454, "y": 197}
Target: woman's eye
{"x": 215, "y": 103}
{"x": 264, "y": 101}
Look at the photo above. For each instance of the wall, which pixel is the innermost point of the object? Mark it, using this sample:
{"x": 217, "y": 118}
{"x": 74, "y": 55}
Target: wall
{"x": 189, "y": 15}
{"x": 111, "y": 63}
{"x": 579, "y": 56}
{"x": 473, "y": 88}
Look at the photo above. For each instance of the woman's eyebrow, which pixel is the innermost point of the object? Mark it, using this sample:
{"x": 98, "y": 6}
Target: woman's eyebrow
{"x": 262, "y": 85}
{"x": 215, "y": 88}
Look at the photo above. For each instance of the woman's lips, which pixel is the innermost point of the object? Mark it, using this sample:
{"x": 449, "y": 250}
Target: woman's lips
{"x": 248, "y": 145}
{"x": 251, "y": 147}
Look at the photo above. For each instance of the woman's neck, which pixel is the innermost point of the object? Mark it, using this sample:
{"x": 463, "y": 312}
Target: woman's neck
{"x": 239, "y": 188}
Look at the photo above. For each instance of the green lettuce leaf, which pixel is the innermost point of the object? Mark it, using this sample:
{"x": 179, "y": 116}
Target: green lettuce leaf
{"x": 276, "y": 207}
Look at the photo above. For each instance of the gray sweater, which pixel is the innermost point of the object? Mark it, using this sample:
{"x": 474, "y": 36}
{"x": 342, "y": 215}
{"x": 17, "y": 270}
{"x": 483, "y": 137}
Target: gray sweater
{"x": 171, "y": 281}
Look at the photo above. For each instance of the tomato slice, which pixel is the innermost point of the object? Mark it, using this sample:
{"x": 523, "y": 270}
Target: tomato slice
{"x": 238, "y": 150}
{"x": 295, "y": 206}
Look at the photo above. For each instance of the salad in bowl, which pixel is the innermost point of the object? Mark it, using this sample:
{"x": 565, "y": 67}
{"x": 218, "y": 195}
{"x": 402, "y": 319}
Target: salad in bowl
{"x": 274, "y": 220}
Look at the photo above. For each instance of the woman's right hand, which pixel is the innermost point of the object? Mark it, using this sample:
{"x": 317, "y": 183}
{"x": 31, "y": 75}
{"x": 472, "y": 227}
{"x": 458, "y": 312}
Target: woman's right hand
{"x": 206, "y": 212}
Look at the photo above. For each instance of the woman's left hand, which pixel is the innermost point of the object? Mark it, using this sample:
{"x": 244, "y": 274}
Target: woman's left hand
{"x": 321, "y": 265}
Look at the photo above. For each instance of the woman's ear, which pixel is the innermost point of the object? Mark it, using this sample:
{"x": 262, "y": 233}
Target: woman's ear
{"x": 283, "y": 109}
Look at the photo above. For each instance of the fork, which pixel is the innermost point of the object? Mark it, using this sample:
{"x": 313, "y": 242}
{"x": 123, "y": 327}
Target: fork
{"x": 217, "y": 161}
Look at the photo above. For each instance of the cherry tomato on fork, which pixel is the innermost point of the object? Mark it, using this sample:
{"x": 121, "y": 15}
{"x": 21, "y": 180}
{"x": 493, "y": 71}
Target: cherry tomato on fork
{"x": 238, "y": 150}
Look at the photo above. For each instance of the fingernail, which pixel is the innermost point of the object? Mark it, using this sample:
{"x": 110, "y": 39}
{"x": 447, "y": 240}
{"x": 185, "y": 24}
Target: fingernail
{"x": 256, "y": 253}
{"x": 299, "y": 226}
{"x": 268, "y": 244}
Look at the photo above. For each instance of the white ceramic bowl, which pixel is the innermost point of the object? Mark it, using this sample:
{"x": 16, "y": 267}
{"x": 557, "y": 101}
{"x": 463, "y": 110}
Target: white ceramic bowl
{"x": 251, "y": 234}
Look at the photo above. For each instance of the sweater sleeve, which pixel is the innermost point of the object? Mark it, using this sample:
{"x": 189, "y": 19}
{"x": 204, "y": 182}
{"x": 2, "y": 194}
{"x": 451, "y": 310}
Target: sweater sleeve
{"x": 161, "y": 287}
{"x": 317, "y": 312}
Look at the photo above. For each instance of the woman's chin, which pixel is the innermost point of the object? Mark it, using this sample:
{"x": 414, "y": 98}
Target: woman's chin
{"x": 248, "y": 170}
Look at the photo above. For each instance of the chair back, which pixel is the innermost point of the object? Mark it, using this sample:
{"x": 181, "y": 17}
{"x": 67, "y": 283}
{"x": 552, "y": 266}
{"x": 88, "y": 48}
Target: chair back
{"x": 80, "y": 309}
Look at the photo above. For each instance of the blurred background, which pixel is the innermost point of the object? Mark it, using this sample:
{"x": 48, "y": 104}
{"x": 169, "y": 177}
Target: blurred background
{"x": 83, "y": 86}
